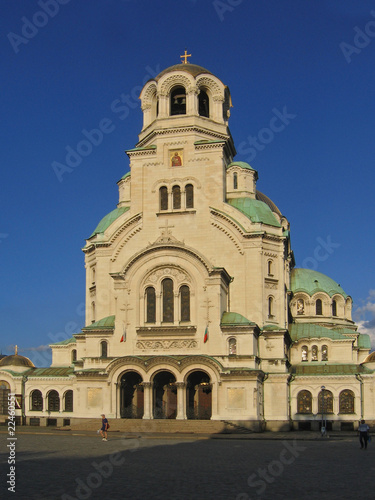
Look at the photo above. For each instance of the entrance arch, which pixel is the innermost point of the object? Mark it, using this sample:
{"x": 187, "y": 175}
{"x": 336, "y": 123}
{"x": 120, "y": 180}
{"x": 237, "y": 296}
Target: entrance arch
{"x": 198, "y": 396}
{"x": 164, "y": 395}
{"x": 131, "y": 395}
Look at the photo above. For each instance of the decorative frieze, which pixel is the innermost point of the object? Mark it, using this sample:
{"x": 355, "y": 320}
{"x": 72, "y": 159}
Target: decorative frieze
{"x": 166, "y": 344}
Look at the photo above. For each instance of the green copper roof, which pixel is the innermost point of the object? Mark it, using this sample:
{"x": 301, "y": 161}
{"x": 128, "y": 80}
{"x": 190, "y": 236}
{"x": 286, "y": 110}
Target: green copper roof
{"x": 62, "y": 371}
{"x": 255, "y": 210}
{"x": 300, "y": 331}
{"x": 72, "y": 340}
{"x": 328, "y": 369}
{"x": 269, "y": 328}
{"x": 143, "y": 148}
{"x": 241, "y": 164}
{"x": 309, "y": 281}
{"x": 364, "y": 341}
{"x": 234, "y": 319}
{"x": 102, "y": 324}
{"x": 108, "y": 219}
{"x": 125, "y": 176}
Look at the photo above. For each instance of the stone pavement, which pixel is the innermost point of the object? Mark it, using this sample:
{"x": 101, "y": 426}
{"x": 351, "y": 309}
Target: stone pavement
{"x": 66, "y": 465}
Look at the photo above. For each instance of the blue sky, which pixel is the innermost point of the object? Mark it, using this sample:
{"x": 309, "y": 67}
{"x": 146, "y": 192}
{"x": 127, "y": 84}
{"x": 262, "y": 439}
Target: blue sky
{"x": 66, "y": 66}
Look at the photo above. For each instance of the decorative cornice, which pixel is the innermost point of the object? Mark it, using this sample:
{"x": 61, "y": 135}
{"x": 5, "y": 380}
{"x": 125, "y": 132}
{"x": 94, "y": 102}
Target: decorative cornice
{"x": 183, "y": 130}
{"x": 143, "y": 152}
{"x": 166, "y": 330}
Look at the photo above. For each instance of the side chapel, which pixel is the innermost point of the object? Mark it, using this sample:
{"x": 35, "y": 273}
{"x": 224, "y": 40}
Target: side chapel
{"x": 194, "y": 307}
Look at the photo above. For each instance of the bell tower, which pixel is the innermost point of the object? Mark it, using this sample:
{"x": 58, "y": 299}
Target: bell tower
{"x": 185, "y": 135}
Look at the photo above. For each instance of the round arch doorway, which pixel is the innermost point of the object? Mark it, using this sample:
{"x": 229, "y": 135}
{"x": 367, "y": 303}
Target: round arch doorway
{"x": 164, "y": 395}
{"x": 131, "y": 395}
{"x": 198, "y": 396}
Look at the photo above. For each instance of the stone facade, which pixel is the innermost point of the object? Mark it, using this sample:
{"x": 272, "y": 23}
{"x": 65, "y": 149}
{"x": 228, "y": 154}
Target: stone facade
{"x": 194, "y": 309}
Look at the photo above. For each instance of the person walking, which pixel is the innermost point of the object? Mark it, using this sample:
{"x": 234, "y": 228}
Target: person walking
{"x": 104, "y": 428}
{"x": 363, "y": 430}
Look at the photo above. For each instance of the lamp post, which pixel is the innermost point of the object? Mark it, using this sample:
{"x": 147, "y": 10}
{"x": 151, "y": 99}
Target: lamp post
{"x": 323, "y": 426}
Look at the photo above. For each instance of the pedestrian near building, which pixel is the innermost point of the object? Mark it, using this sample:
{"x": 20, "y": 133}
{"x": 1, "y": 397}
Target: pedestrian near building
{"x": 363, "y": 430}
{"x": 104, "y": 428}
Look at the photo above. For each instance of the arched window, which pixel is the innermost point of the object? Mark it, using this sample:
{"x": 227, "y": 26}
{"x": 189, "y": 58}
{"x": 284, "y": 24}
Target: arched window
{"x": 178, "y": 101}
{"x": 203, "y": 104}
{"x": 324, "y": 353}
{"x": 189, "y": 193}
{"x": 93, "y": 275}
{"x": 176, "y": 193}
{"x": 346, "y": 401}
{"x": 270, "y": 307}
{"x": 36, "y": 401}
{"x": 163, "y": 194}
{"x": 232, "y": 346}
{"x": 314, "y": 353}
{"x": 4, "y": 391}
{"x": 300, "y": 306}
{"x": 304, "y": 402}
{"x": 74, "y": 355}
{"x": 325, "y": 401}
{"x": 185, "y": 303}
{"x": 168, "y": 298}
{"x": 103, "y": 349}
{"x": 235, "y": 180}
{"x": 53, "y": 401}
{"x": 305, "y": 353}
{"x": 270, "y": 268}
{"x": 334, "y": 308}
{"x": 68, "y": 401}
{"x": 150, "y": 305}
{"x": 318, "y": 307}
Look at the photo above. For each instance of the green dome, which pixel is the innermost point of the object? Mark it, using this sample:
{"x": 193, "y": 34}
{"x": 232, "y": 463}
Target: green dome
{"x": 309, "y": 281}
{"x": 108, "y": 219}
{"x": 255, "y": 210}
{"x": 241, "y": 164}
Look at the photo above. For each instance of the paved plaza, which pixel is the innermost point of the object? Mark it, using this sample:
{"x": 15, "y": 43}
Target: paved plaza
{"x": 78, "y": 465}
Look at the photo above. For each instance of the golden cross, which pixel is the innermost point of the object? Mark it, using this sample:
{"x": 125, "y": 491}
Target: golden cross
{"x": 184, "y": 57}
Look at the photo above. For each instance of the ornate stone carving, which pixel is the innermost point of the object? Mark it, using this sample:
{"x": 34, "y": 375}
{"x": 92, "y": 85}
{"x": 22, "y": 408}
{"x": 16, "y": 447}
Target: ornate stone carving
{"x": 173, "y": 80}
{"x": 166, "y": 344}
{"x": 271, "y": 286}
{"x": 209, "y": 83}
{"x": 179, "y": 275}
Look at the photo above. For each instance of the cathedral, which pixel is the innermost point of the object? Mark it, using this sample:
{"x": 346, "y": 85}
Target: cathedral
{"x": 194, "y": 306}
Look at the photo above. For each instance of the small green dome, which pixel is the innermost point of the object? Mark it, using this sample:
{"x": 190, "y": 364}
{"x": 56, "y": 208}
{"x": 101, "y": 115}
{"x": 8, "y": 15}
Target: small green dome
{"x": 241, "y": 164}
{"x": 108, "y": 219}
{"x": 309, "y": 281}
{"x": 255, "y": 210}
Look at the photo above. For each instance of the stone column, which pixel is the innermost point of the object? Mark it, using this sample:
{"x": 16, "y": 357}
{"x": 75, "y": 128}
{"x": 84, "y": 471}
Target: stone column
{"x": 181, "y": 401}
{"x": 147, "y": 400}
{"x": 163, "y": 105}
{"x": 214, "y": 400}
